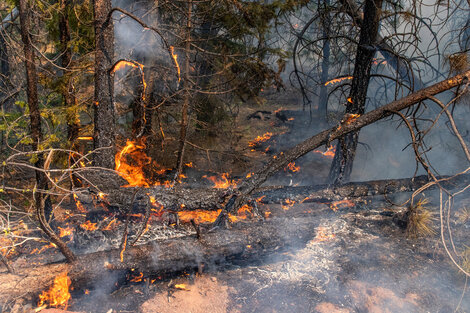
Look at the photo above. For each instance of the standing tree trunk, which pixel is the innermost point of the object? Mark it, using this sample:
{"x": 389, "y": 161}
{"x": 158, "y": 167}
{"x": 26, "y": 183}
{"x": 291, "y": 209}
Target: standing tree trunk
{"x": 73, "y": 122}
{"x": 325, "y": 68}
{"x": 104, "y": 119}
{"x": 33, "y": 104}
{"x": 341, "y": 167}
{"x": 187, "y": 94}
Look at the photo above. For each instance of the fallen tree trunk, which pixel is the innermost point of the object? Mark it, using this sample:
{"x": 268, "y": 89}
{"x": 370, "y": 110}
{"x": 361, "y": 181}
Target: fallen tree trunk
{"x": 243, "y": 242}
{"x": 282, "y": 159}
{"x": 180, "y": 199}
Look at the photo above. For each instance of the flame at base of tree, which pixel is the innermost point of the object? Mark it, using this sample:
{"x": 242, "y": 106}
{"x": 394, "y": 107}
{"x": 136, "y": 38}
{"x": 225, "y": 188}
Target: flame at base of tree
{"x": 131, "y": 161}
{"x": 58, "y": 295}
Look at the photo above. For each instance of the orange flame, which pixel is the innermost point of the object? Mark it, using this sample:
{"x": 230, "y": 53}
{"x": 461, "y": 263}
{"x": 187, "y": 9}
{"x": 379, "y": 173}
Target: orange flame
{"x": 58, "y": 295}
{"x": 85, "y": 138}
{"x": 255, "y": 142}
{"x": 337, "y": 80}
{"x": 181, "y": 286}
{"x": 123, "y": 63}
{"x": 348, "y": 118}
{"x": 222, "y": 182}
{"x": 322, "y": 235}
{"x": 175, "y": 58}
{"x": 329, "y": 153}
{"x": 335, "y": 205}
{"x": 291, "y": 166}
{"x": 79, "y": 205}
{"x": 134, "y": 174}
{"x": 288, "y": 204}
{"x": 89, "y": 226}
{"x": 138, "y": 278}
{"x": 65, "y": 232}
{"x": 124, "y": 245}
{"x": 111, "y": 224}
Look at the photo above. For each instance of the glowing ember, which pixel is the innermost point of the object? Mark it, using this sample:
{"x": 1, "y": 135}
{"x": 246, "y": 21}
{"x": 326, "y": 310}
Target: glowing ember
{"x": 244, "y": 211}
{"x": 65, "y": 232}
{"x": 79, "y": 205}
{"x": 89, "y": 226}
{"x": 291, "y": 166}
{"x": 329, "y": 153}
{"x": 175, "y": 58}
{"x": 111, "y": 224}
{"x": 221, "y": 182}
{"x": 348, "y": 118}
{"x": 190, "y": 164}
{"x": 349, "y": 99}
{"x": 85, "y": 138}
{"x": 322, "y": 235}
{"x": 123, "y": 249}
{"x": 138, "y": 278}
{"x": 260, "y": 139}
{"x": 288, "y": 204}
{"x": 335, "y": 205}
{"x": 101, "y": 195}
{"x": 199, "y": 216}
{"x": 131, "y": 161}
{"x": 58, "y": 295}
{"x": 267, "y": 214}
{"x": 181, "y": 286}
{"x": 337, "y": 80}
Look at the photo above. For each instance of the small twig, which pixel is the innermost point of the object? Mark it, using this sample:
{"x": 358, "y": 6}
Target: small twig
{"x": 7, "y": 264}
{"x": 144, "y": 225}
{"x": 197, "y": 228}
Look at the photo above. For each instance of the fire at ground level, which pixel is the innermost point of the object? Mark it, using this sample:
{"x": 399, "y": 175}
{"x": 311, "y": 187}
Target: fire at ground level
{"x": 353, "y": 260}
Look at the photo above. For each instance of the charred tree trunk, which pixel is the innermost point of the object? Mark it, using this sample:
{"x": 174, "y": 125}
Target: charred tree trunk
{"x": 241, "y": 243}
{"x": 393, "y": 59}
{"x": 346, "y": 147}
{"x": 33, "y": 103}
{"x": 104, "y": 119}
{"x": 73, "y": 122}
{"x": 187, "y": 94}
{"x": 282, "y": 159}
{"x": 42, "y": 203}
{"x": 325, "y": 68}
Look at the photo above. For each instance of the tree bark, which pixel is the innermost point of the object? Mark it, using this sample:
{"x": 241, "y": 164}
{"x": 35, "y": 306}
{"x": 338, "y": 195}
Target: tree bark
{"x": 187, "y": 199}
{"x": 187, "y": 95}
{"x": 104, "y": 119}
{"x": 282, "y": 159}
{"x": 325, "y": 68}
{"x": 73, "y": 122}
{"x": 243, "y": 242}
{"x": 346, "y": 147}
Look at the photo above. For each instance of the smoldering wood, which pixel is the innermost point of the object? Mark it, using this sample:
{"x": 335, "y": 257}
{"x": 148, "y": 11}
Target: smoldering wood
{"x": 243, "y": 242}
{"x": 184, "y": 198}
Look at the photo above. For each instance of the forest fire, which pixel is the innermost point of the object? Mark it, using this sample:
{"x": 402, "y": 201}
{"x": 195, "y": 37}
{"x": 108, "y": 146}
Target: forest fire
{"x": 58, "y": 295}
{"x": 175, "y": 59}
{"x": 123, "y": 63}
{"x": 329, "y": 153}
{"x": 291, "y": 166}
{"x": 338, "y": 80}
{"x": 336, "y": 205}
{"x": 260, "y": 139}
{"x": 221, "y": 182}
{"x": 89, "y": 226}
{"x": 131, "y": 161}
{"x": 322, "y": 234}
{"x": 78, "y": 204}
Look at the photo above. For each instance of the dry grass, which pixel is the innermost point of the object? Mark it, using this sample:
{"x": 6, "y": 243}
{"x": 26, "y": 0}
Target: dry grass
{"x": 463, "y": 215}
{"x": 466, "y": 259}
{"x": 420, "y": 220}
{"x": 458, "y": 62}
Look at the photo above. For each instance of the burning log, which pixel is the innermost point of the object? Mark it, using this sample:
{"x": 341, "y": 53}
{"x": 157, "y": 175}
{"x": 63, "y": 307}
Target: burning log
{"x": 245, "y": 241}
{"x": 191, "y": 199}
